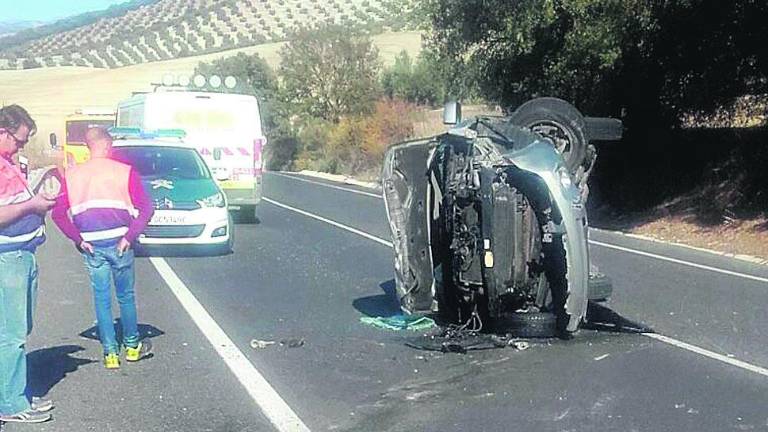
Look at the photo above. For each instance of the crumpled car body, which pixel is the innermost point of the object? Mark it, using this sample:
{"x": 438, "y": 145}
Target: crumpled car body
{"x": 488, "y": 220}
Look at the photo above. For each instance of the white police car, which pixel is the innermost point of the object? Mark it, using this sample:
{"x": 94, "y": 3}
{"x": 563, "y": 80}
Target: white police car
{"x": 191, "y": 216}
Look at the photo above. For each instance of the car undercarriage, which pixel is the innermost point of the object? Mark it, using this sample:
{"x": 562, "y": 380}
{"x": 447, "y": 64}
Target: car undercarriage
{"x": 489, "y": 223}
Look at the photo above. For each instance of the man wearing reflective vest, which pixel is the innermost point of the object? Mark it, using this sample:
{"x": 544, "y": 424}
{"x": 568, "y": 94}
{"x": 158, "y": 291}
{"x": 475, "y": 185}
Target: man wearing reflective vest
{"x": 21, "y": 232}
{"x": 103, "y": 208}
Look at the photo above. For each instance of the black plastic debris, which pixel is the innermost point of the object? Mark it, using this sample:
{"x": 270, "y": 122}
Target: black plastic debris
{"x": 292, "y": 343}
{"x": 450, "y": 341}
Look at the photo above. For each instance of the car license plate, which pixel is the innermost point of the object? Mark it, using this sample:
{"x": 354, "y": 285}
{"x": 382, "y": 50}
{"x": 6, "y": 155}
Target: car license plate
{"x": 168, "y": 219}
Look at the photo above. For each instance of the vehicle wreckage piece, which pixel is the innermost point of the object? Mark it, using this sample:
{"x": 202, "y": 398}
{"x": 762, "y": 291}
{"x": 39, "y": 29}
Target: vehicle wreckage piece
{"x": 489, "y": 219}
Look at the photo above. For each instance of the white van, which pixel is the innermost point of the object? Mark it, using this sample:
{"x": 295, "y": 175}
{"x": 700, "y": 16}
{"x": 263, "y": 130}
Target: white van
{"x": 225, "y": 129}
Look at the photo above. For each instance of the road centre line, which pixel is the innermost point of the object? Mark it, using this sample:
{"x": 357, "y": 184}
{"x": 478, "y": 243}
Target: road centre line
{"x": 359, "y": 192}
{"x": 594, "y": 242}
{"x": 681, "y": 262}
{"x": 715, "y": 356}
{"x": 272, "y": 405}
{"x": 658, "y": 337}
{"x": 330, "y": 222}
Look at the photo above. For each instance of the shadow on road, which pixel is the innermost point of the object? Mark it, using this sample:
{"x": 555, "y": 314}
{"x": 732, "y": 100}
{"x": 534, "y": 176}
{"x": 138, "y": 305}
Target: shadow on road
{"x": 245, "y": 218}
{"x": 145, "y": 331}
{"x": 382, "y": 305}
{"x": 602, "y": 318}
{"x": 599, "y": 317}
{"x": 47, "y": 366}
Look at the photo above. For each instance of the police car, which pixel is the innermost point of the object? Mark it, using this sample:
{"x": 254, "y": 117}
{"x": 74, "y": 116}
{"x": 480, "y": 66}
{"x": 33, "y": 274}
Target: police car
{"x": 191, "y": 216}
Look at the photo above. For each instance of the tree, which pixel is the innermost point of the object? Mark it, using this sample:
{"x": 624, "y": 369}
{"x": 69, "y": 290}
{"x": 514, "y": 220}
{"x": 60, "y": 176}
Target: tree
{"x": 30, "y": 63}
{"x": 652, "y": 60}
{"x": 254, "y": 76}
{"x": 417, "y": 82}
{"x": 517, "y": 50}
{"x": 330, "y": 73}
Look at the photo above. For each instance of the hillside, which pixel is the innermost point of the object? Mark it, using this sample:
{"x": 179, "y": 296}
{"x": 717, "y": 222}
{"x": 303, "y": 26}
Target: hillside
{"x": 50, "y": 94}
{"x": 169, "y": 29}
{"x": 8, "y": 28}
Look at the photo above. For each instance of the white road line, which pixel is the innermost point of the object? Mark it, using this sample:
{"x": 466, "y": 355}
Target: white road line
{"x": 328, "y": 221}
{"x": 707, "y": 353}
{"x": 661, "y": 338}
{"x": 607, "y": 245}
{"x": 359, "y": 192}
{"x": 271, "y": 404}
{"x": 681, "y": 262}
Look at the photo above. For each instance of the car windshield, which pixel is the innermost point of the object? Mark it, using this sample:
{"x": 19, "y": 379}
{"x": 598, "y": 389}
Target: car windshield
{"x": 156, "y": 162}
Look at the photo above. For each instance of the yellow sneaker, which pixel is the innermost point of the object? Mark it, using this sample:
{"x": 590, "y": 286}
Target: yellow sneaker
{"x": 139, "y": 352}
{"x": 111, "y": 361}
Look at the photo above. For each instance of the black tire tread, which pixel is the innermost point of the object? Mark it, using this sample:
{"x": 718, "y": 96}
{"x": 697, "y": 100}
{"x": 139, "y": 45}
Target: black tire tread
{"x": 528, "y": 324}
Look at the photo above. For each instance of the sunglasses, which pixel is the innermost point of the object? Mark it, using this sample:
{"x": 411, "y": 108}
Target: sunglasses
{"x": 19, "y": 143}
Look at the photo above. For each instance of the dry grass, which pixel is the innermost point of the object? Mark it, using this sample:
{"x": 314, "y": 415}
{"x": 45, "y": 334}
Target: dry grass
{"x": 50, "y": 94}
{"x": 748, "y": 237}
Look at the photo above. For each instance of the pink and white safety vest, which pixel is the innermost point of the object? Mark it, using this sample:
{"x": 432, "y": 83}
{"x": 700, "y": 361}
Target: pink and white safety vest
{"x": 99, "y": 201}
{"x": 27, "y": 232}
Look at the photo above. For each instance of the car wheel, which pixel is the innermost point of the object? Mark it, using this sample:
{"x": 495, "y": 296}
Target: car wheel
{"x": 528, "y": 324}
{"x": 600, "y": 287}
{"x": 231, "y": 242}
{"x": 558, "y": 121}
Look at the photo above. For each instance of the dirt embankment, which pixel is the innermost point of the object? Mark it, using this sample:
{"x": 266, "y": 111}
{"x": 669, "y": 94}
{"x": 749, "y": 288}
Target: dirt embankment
{"x": 705, "y": 187}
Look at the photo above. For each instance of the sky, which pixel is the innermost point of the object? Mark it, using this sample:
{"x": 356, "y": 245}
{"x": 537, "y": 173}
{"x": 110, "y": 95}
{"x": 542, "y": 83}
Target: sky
{"x": 49, "y": 10}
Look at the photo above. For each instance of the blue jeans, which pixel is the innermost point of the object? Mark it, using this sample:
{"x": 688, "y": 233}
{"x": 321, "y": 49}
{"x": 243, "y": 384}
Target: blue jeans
{"x": 18, "y": 291}
{"x": 104, "y": 266}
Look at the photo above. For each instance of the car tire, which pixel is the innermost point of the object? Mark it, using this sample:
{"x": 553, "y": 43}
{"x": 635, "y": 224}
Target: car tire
{"x": 528, "y": 324}
{"x": 600, "y": 287}
{"x": 556, "y": 118}
{"x": 231, "y": 241}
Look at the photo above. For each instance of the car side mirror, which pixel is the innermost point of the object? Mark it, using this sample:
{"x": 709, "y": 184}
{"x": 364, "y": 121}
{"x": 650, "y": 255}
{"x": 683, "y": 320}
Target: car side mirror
{"x": 452, "y": 113}
{"x": 217, "y": 153}
{"x": 54, "y": 142}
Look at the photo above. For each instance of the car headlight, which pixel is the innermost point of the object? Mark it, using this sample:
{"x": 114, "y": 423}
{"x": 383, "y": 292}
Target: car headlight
{"x": 216, "y": 200}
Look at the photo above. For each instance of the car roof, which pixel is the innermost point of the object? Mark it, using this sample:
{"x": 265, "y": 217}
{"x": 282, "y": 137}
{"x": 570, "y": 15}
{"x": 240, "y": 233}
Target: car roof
{"x": 152, "y": 142}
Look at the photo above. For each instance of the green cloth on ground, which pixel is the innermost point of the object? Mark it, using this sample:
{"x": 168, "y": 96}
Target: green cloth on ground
{"x": 400, "y": 322}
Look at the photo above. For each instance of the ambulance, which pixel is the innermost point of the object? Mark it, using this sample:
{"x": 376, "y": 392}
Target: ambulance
{"x": 74, "y": 150}
{"x": 225, "y": 128}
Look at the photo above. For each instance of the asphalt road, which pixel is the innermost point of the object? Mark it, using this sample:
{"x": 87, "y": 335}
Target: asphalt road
{"x": 317, "y": 262}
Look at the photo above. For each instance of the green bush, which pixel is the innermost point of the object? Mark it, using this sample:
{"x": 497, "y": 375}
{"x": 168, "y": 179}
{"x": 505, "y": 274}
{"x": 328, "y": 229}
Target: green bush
{"x": 282, "y": 148}
{"x": 418, "y": 83}
{"x": 30, "y": 64}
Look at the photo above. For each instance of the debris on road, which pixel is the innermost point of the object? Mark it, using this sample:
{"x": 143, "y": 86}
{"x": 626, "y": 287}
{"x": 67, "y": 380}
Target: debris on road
{"x": 290, "y": 343}
{"x": 400, "y": 322}
{"x": 259, "y": 344}
{"x": 519, "y": 345}
{"x": 465, "y": 341}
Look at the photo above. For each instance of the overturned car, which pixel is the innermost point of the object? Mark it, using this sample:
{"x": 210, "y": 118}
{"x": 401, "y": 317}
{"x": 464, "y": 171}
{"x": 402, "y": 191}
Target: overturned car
{"x": 488, "y": 220}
